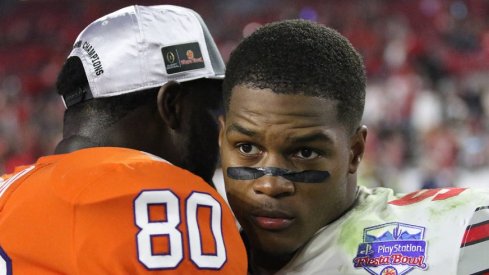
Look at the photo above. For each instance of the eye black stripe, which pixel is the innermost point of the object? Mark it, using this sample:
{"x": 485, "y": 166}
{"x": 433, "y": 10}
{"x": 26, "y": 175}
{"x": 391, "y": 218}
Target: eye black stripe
{"x": 251, "y": 173}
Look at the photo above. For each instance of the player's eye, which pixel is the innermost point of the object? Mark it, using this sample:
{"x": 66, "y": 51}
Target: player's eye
{"x": 306, "y": 153}
{"x": 248, "y": 149}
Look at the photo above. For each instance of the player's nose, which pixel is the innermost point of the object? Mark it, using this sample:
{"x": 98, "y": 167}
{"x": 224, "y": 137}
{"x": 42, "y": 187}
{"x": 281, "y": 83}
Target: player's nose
{"x": 273, "y": 186}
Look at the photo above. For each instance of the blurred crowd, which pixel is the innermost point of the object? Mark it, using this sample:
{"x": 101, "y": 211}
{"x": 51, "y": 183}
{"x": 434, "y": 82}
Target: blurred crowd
{"x": 427, "y": 61}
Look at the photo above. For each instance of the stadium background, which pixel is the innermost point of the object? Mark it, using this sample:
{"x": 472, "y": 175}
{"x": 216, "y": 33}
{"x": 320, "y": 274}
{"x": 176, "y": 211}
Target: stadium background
{"x": 427, "y": 62}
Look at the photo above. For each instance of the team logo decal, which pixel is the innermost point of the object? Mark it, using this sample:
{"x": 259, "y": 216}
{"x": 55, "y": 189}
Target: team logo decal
{"x": 170, "y": 57}
{"x": 182, "y": 57}
{"x": 392, "y": 249}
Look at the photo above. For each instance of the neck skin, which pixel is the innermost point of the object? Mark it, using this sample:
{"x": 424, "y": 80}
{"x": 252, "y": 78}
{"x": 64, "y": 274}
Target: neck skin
{"x": 268, "y": 263}
{"x": 128, "y": 132}
{"x": 73, "y": 143}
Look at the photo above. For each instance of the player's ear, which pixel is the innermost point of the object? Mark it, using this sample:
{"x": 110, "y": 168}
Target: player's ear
{"x": 170, "y": 103}
{"x": 221, "y": 128}
{"x": 357, "y": 148}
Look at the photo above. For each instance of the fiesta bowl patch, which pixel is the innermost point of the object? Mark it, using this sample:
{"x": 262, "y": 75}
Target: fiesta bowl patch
{"x": 392, "y": 249}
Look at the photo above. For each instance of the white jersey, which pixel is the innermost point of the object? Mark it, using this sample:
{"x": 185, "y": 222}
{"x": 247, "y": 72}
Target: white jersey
{"x": 439, "y": 231}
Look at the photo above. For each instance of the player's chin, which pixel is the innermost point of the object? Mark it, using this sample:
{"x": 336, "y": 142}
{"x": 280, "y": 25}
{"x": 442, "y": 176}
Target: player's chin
{"x": 276, "y": 243}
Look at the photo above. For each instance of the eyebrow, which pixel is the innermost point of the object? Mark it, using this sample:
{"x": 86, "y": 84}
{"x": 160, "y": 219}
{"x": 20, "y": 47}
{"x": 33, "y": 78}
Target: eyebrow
{"x": 311, "y": 138}
{"x": 234, "y": 127}
{"x": 238, "y": 128}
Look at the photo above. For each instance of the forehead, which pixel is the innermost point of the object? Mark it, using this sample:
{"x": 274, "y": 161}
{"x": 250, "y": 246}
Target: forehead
{"x": 279, "y": 119}
{"x": 265, "y": 106}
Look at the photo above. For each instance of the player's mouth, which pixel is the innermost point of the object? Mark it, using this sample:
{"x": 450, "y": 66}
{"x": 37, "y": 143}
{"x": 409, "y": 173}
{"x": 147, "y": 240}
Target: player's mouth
{"x": 272, "y": 220}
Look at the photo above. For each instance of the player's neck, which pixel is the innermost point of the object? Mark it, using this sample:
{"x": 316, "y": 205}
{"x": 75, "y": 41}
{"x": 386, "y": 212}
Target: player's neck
{"x": 267, "y": 263}
{"x": 74, "y": 143}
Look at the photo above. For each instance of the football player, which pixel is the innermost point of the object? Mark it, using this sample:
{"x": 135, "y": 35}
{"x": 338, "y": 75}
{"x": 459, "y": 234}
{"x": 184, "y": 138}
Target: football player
{"x": 129, "y": 188}
{"x": 291, "y": 143}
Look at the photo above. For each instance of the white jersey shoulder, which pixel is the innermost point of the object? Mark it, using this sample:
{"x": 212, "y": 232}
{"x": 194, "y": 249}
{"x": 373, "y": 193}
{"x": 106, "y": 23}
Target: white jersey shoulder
{"x": 438, "y": 231}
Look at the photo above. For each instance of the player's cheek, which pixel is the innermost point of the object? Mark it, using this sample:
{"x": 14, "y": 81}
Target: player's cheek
{"x": 233, "y": 188}
{"x": 236, "y": 194}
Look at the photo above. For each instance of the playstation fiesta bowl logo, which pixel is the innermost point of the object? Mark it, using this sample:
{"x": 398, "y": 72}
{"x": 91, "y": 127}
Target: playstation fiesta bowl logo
{"x": 392, "y": 249}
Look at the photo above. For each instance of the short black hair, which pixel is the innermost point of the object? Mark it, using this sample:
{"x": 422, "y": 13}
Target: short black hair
{"x": 300, "y": 57}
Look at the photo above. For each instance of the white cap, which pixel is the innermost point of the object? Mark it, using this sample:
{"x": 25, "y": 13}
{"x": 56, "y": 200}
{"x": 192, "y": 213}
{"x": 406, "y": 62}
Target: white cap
{"x": 141, "y": 47}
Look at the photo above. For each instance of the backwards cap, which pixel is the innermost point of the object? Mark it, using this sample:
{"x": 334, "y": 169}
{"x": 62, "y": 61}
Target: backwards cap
{"x": 141, "y": 47}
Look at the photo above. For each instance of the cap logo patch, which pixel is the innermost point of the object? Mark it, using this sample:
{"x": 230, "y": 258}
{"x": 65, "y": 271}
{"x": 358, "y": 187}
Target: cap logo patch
{"x": 183, "y": 57}
{"x": 170, "y": 57}
{"x": 97, "y": 65}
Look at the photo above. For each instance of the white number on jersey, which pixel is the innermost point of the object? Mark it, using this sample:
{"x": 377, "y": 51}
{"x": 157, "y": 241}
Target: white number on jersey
{"x": 169, "y": 227}
{"x": 4, "y": 185}
{"x": 195, "y": 201}
{"x": 5, "y": 265}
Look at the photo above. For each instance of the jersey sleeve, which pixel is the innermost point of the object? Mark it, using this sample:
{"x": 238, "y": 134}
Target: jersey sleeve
{"x": 474, "y": 247}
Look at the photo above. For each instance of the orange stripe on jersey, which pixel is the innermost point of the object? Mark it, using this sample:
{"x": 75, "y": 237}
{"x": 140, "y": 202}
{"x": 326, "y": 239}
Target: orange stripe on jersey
{"x": 204, "y": 216}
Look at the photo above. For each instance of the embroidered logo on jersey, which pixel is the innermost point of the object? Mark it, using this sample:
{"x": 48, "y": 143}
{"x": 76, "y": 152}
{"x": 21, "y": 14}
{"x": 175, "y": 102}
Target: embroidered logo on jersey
{"x": 183, "y": 57}
{"x": 392, "y": 249}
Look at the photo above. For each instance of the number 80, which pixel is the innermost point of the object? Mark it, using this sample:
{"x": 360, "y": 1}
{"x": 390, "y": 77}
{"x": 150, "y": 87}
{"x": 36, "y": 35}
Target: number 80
{"x": 169, "y": 228}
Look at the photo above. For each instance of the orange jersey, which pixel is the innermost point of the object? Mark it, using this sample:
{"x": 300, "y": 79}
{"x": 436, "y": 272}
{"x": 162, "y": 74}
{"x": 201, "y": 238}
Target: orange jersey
{"x": 114, "y": 211}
